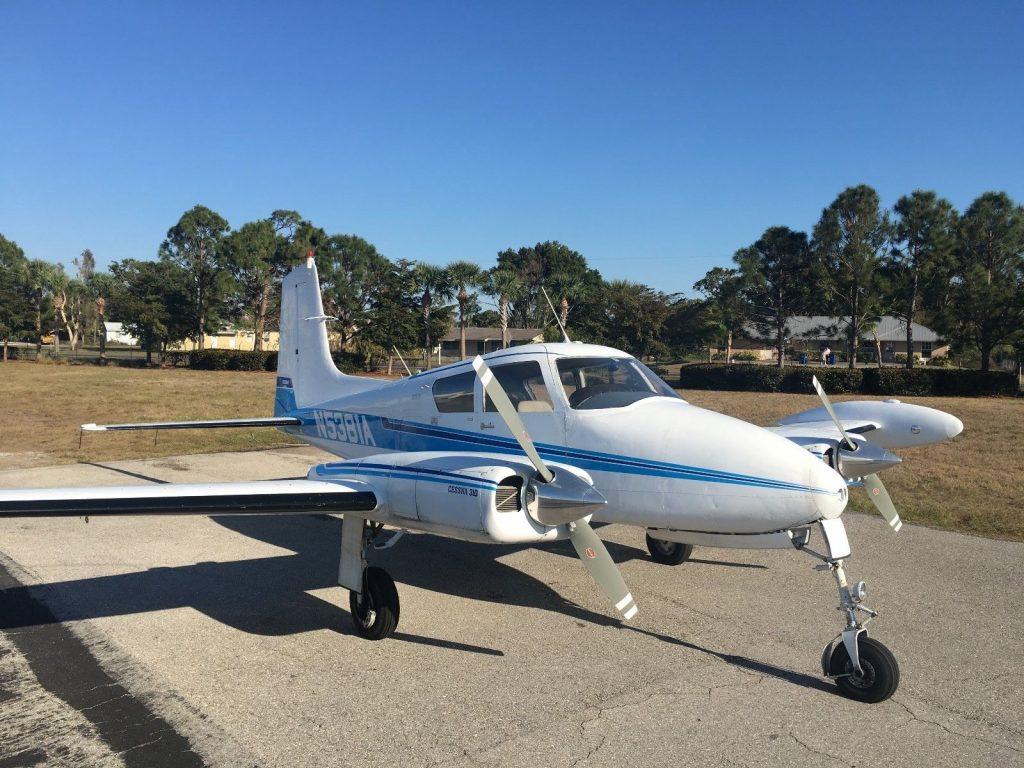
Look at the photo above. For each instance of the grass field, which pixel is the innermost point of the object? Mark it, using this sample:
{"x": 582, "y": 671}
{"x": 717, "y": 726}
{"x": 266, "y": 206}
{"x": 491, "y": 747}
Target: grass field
{"x": 973, "y": 483}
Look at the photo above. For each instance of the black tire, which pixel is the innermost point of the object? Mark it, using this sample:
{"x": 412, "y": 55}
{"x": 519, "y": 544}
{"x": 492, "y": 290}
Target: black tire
{"x": 668, "y": 552}
{"x": 881, "y": 672}
{"x": 379, "y": 597}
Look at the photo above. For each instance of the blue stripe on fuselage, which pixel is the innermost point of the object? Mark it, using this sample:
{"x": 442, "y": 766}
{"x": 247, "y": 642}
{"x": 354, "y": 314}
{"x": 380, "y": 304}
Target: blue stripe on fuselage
{"x": 407, "y": 436}
{"x": 406, "y": 473}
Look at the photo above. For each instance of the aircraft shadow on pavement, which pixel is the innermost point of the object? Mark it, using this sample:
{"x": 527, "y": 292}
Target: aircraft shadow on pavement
{"x": 269, "y": 595}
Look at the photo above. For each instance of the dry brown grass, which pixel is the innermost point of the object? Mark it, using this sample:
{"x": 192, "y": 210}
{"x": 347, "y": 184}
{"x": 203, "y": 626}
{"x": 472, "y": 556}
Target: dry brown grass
{"x": 45, "y": 403}
{"x": 973, "y": 483}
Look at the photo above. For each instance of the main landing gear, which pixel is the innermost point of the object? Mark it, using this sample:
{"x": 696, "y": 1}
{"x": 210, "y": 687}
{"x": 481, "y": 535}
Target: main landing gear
{"x": 668, "y": 552}
{"x": 863, "y": 668}
{"x": 372, "y": 597}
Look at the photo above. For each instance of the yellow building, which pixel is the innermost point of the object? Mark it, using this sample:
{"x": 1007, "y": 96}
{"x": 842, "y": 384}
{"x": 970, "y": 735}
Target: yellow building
{"x": 232, "y": 338}
{"x": 238, "y": 339}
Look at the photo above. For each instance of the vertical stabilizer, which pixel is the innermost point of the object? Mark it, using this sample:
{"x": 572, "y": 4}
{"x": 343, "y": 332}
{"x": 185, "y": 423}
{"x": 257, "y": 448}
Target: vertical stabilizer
{"x": 306, "y": 374}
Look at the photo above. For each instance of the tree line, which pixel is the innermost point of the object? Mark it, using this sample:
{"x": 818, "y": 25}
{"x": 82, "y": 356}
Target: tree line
{"x": 922, "y": 262}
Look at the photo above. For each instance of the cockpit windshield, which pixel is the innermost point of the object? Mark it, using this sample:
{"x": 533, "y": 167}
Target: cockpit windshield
{"x": 607, "y": 382}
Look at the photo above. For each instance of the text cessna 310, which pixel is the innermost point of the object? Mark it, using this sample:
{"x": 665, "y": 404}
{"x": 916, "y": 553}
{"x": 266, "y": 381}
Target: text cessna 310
{"x": 527, "y": 445}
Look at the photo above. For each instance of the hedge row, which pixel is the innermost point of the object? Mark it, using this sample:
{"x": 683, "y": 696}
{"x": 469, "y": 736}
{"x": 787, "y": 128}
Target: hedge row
{"x": 238, "y": 360}
{"x": 867, "y": 381}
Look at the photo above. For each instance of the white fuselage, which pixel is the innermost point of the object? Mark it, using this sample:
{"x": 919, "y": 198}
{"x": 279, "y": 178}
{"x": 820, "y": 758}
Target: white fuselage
{"x": 660, "y": 462}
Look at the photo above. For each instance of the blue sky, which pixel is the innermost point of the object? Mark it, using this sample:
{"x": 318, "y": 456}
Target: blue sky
{"x": 654, "y": 138}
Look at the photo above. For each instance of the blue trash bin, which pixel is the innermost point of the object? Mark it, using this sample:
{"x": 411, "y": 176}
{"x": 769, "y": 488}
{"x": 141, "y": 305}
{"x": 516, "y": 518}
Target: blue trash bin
{"x": 803, "y": 358}
{"x": 832, "y": 358}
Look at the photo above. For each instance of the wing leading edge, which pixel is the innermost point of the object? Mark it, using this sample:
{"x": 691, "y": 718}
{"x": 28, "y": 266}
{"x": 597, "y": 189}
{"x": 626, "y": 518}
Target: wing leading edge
{"x": 265, "y": 497}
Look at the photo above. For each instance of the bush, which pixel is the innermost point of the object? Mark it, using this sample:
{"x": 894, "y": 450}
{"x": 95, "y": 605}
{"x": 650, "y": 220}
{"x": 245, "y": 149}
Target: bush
{"x": 243, "y": 360}
{"x": 868, "y": 381}
{"x": 958, "y": 381}
{"x": 231, "y": 360}
{"x": 897, "y": 381}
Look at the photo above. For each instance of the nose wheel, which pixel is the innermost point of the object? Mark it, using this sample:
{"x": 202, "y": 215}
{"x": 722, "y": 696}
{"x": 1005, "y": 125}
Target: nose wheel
{"x": 879, "y": 674}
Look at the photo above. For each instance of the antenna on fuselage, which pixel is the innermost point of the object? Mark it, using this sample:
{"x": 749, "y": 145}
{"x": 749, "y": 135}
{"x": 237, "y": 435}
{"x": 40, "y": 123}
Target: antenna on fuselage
{"x": 402, "y": 360}
{"x": 565, "y": 336}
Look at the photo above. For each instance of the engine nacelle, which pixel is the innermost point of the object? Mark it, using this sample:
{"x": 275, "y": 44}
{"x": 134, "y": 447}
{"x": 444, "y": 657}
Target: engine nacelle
{"x": 472, "y": 496}
{"x": 866, "y": 458}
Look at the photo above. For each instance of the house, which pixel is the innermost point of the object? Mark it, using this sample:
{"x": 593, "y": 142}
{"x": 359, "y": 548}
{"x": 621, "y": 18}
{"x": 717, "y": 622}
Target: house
{"x": 811, "y": 333}
{"x": 479, "y": 340}
{"x": 232, "y": 337}
{"x": 116, "y": 334}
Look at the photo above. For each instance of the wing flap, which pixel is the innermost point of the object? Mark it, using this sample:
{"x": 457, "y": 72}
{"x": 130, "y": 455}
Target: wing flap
{"x": 265, "y": 497}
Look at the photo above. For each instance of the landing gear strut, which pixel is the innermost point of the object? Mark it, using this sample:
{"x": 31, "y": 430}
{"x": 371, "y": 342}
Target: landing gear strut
{"x": 372, "y": 597}
{"x": 668, "y": 552}
{"x": 863, "y": 668}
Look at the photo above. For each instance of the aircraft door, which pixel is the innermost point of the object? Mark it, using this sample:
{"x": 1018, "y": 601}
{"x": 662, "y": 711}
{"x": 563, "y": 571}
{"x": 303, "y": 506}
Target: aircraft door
{"x": 455, "y": 401}
{"x": 528, "y": 385}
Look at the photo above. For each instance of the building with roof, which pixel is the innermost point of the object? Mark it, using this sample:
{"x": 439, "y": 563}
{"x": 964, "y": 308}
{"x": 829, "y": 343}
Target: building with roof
{"x": 812, "y": 333}
{"x": 481, "y": 340}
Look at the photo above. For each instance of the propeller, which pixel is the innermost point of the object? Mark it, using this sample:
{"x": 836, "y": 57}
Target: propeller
{"x": 872, "y": 483}
{"x": 591, "y": 550}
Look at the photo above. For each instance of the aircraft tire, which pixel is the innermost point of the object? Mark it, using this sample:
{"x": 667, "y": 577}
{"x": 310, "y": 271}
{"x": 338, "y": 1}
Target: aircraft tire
{"x": 881, "y": 672}
{"x": 381, "y": 598}
{"x": 668, "y": 552}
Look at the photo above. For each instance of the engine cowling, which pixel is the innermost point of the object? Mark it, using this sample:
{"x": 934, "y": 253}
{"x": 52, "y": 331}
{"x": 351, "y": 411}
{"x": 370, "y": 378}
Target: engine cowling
{"x": 474, "y": 496}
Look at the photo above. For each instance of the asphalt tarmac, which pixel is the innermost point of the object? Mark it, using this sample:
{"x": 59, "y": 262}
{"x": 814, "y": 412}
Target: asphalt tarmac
{"x": 225, "y": 641}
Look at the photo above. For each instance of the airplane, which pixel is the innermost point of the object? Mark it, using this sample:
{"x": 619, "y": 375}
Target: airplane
{"x": 528, "y": 445}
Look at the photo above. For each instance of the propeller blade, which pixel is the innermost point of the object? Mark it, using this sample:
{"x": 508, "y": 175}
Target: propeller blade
{"x": 828, "y": 407}
{"x": 881, "y": 499}
{"x": 591, "y": 550}
{"x": 599, "y": 564}
{"x": 507, "y": 411}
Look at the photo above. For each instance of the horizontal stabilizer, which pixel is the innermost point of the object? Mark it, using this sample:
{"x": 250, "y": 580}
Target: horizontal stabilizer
{"x": 270, "y": 421}
{"x": 264, "y": 497}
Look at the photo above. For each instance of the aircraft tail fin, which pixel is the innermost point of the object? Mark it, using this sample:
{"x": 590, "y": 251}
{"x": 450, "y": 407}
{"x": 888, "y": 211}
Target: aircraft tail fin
{"x": 306, "y": 374}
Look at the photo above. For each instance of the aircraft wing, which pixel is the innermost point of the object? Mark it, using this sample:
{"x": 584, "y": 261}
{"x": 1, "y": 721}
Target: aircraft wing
{"x": 265, "y": 497}
{"x": 270, "y": 421}
{"x": 823, "y": 429}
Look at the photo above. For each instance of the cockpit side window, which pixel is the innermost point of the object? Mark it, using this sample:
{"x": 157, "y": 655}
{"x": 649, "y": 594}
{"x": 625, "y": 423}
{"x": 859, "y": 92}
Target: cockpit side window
{"x": 454, "y": 394}
{"x": 524, "y": 384}
{"x": 602, "y": 382}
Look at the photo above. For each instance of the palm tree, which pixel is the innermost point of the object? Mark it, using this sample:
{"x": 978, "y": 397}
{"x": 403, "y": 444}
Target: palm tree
{"x": 436, "y": 284}
{"x": 506, "y": 286}
{"x": 566, "y": 285}
{"x": 42, "y": 279}
{"x": 463, "y": 274}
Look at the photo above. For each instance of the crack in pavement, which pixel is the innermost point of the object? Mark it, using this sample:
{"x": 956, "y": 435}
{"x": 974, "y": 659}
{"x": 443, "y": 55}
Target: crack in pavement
{"x": 822, "y": 753}
{"x": 914, "y": 717}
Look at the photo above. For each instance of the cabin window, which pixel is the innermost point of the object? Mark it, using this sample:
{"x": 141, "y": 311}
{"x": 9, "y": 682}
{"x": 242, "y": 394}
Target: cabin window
{"x": 454, "y": 394}
{"x": 926, "y": 349}
{"x": 524, "y": 384}
{"x": 602, "y": 382}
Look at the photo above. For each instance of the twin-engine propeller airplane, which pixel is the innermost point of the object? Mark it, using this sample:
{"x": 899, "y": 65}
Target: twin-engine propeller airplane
{"x": 527, "y": 445}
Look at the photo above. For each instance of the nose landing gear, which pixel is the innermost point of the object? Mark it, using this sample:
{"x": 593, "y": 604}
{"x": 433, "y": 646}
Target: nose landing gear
{"x": 863, "y": 668}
